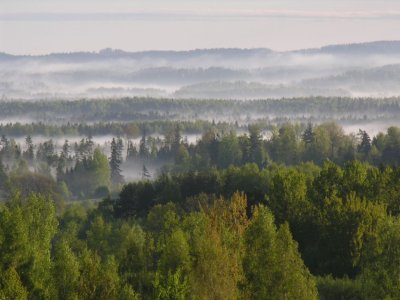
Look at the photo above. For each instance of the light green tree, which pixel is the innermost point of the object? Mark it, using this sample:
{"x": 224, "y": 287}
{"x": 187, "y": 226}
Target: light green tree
{"x": 66, "y": 272}
{"x": 380, "y": 274}
{"x": 27, "y": 227}
{"x": 272, "y": 263}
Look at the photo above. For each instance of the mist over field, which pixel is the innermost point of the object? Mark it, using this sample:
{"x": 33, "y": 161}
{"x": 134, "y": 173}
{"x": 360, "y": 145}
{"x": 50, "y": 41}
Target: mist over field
{"x": 354, "y": 70}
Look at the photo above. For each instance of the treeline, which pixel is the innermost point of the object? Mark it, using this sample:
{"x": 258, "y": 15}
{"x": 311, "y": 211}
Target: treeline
{"x": 81, "y": 167}
{"x": 129, "y": 129}
{"x": 146, "y": 109}
{"x": 288, "y": 144}
{"x": 300, "y": 232}
{"x": 86, "y": 170}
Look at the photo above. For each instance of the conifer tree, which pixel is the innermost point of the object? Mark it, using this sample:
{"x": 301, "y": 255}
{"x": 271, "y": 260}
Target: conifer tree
{"x": 177, "y": 139}
{"x": 256, "y": 150}
{"x": 143, "y": 149}
{"x": 131, "y": 151}
{"x": 66, "y": 151}
{"x": 29, "y": 154}
{"x": 115, "y": 163}
{"x": 365, "y": 146}
{"x": 308, "y": 135}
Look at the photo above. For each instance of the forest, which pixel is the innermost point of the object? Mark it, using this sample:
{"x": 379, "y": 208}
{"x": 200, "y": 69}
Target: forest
{"x": 290, "y": 211}
{"x": 199, "y": 150}
{"x": 88, "y": 168}
{"x": 140, "y": 109}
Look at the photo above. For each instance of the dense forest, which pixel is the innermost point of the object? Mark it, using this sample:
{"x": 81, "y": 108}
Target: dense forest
{"x": 217, "y": 147}
{"x": 295, "y": 212}
{"x": 315, "y": 109}
{"x": 292, "y": 232}
{"x": 85, "y": 169}
{"x": 185, "y": 164}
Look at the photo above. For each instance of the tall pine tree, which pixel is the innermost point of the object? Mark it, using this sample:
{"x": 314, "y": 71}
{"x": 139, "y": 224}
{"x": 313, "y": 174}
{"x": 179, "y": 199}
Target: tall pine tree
{"x": 29, "y": 154}
{"x": 116, "y": 161}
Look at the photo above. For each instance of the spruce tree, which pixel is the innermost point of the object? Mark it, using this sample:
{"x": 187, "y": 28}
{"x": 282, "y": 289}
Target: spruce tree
{"x": 256, "y": 151}
{"x": 29, "y": 153}
{"x": 89, "y": 146}
{"x": 115, "y": 163}
{"x": 66, "y": 151}
{"x": 308, "y": 135}
{"x": 143, "y": 149}
{"x": 131, "y": 151}
{"x": 365, "y": 146}
{"x": 120, "y": 147}
{"x": 177, "y": 139}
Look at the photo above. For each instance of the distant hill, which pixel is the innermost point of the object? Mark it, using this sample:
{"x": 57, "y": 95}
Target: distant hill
{"x": 338, "y": 70}
{"x": 109, "y": 53}
{"x": 368, "y": 48}
{"x": 251, "y": 90}
{"x": 385, "y": 77}
{"x": 379, "y": 47}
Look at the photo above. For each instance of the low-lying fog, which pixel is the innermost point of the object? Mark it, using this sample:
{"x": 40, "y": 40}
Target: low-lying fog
{"x": 133, "y": 170}
{"x": 102, "y": 141}
{"x": 371, "y": 69}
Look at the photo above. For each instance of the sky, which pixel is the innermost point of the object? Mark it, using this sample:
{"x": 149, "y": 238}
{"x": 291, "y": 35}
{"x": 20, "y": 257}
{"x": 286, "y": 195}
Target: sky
{"x": 46, "y": 26}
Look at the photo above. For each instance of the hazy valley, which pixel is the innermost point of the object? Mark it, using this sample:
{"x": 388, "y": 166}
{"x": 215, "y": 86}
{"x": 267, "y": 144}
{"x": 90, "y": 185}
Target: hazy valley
{"x": 355, "y": 70}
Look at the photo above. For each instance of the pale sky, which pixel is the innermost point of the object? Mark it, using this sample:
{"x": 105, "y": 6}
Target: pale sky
{"x": 45, "y": 26}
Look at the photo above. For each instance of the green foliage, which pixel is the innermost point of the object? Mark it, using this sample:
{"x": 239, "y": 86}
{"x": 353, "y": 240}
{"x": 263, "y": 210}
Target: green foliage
{"x": 116, "y": 161}
{"x": 380, "y": 264}
{"x": 256, "y": 152}
{"x": 330, "y": 288}
{"x": 272, "y": 263}
{"x": 11, "y": 286}
{"x": 98, "y": 280}
{"x": 213, "y": 270}
{"x": 173, "y": 286}
{"x": 248, "y": 179}
{"x": 66, "y": 272}
{"x": 135, "y": 199}
{"x": 89, "y": 174}
{"x": 287, "y": 195}
{"x": 229, "y": 151}
{"x": 284, "y": 145}
{"x": 26, "y": 183}
{"x": 86, "y": 174}
{"x": 27, "y": 227}
{"x": 159, "y": 114}
{"x": 210, "y": 233}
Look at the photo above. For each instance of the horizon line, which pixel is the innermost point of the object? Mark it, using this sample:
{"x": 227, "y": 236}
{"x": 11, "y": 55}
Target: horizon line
{"x": 110, "y": 49}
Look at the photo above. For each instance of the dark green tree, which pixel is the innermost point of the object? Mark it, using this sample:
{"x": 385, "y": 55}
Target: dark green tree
{"x": 131, "y": 151}
{"x": 365, "y": 144}
{"x": 115, "y": 162}
{"x": 256, "y": 150}
{"x": 308, "y": 134}
{"x": 144, "y": 152}
{"x": 29, "y": 153}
